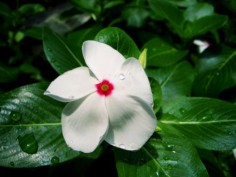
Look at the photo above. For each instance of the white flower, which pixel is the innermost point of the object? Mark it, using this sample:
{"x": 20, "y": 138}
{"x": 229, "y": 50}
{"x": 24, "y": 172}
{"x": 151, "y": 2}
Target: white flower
{"x": 202, "y": 45}
{"x": 109, "y": 100}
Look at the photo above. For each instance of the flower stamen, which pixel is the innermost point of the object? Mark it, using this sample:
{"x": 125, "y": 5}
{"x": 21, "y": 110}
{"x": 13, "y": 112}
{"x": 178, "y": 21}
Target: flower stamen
{"x": 104, "y": 88}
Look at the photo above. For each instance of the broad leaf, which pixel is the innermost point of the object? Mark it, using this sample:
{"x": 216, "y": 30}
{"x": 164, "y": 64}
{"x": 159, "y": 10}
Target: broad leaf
{"x": 170, "y": 155}
{"x": 119, "y": 40}
{"x": 203, "y": 25}
{"x": 208, "y": 123}
{"x": 30, "y": 129}
{"x": 175, "y": 81}
{"x": 60, "y": 53}
{"x": 169, "y": 12}
{"x": 160, "y": 53}
{"x": 216, "y": 73}
{"x": 182, "y": 3}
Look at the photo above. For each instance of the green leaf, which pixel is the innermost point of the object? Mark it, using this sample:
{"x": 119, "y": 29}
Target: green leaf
{"x": 182, "y": 3}
{"x": 157, "y": 94}
{"x": 208, "y": 123}
{"x": 119, "y": 40}
{"x": 30, "y": 129}
{"x": 170, "y": 155}
{"x": 175, "y": 81}
{"x": 169, "y": 12}
{"x": 4, "y": 9}
{"x": 135, "y": 16}
{"x": 203, "y": 25}
{"x": 92, "y": 6}
{"x": 216, "y": 73}
{"x": 160, "y": 53}
{"x": 34, "y": 32}
{"x": 61, "y": 54}
{"x": 30, "y": 9}
{"x": 198, "y": 11}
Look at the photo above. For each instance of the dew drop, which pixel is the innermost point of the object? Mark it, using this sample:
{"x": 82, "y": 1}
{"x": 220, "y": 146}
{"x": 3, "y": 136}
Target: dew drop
{"x": 28, "y": 143}
{"x": 182, "y": 111}
{"x": 55, "y": 160}
{"x": 49, "y": 49}
{"x": 15, "y": 116}
{"x": 12, "y": 164}
{"x": 170, "y": 147}
{"x": 217, "y": 73}
{"x": 122, "y": 76}
{"x": 207, "y": 117}
{"x": 174, "y": 152}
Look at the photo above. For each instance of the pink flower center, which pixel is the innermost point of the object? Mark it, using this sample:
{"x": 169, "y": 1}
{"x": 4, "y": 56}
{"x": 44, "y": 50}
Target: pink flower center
{"x": 104, "y": 88}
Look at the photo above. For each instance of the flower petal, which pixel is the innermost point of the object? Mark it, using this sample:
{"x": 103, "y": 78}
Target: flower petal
{"x": 84, "y": 123}
{"x": 72, "y": 85}
{"x": 102, "y": 59}
{"x": 132, "y": 80}
{"x": 132, "y": 124}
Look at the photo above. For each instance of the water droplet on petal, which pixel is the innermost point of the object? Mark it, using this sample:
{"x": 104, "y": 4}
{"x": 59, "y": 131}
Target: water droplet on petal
{"x": 55, "y": 160}
{"x": 28, "y": 143}
{"x": 122, "y": 76}
{"x": 15, "y": 116}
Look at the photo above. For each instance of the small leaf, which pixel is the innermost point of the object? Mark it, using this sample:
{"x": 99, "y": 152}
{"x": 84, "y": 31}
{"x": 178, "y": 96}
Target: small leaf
{"x": 170, "y": 155}
{"x": 119, "y": 40}
{"x": 30, "y": 128}
{"x": 216, "y": 73}
{"x": 60, "y": 53}
{"x": 208, "y": 123}
{"x": 135, "y": 16}
{"x": 160, "y": 53}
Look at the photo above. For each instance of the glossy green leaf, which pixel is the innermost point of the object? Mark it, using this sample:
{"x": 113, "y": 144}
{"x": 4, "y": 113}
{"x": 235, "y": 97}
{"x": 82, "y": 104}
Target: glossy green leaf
{"x": 92, "y": 6}
{"x": 203, "y": 25}
{"x": 30, "y": 129}
{"x": 198, "y": 11}
{"x": 60, "y": 53}
{"x": 169, "y": 12}
{"x": 208, "y": 123}
{"x": 216, "y": 73}
{"x": 30, "y": 9}
{"x": 175, "y": 81}
{"x": 160, "y": 53}
{"x": 170, "y": 155}
{"x": 119, "y": 40}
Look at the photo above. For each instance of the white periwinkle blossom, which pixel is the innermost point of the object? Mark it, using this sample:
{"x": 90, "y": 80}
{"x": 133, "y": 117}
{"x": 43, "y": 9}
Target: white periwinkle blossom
{"x": 110, "y": 100}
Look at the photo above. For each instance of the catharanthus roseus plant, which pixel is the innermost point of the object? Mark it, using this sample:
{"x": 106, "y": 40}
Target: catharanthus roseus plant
{"x": 109, "y": 100}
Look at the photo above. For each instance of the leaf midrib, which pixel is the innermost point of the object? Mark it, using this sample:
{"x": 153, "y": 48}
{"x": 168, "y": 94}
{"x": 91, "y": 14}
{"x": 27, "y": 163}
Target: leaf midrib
{"x": 196, "y": 123}
{"x": 30, "y": 125}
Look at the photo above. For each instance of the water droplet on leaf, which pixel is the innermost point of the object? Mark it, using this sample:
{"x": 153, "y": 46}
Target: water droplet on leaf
{"x": 122, "y": 76}
{"x": 28, "y": 143}
{"x": 15, "y": 116}
{"x": 174, "y": 152}
{"x": 55, "y": 160}
{"x": 12, "y": 164}
{"x": 182, "y": 111}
